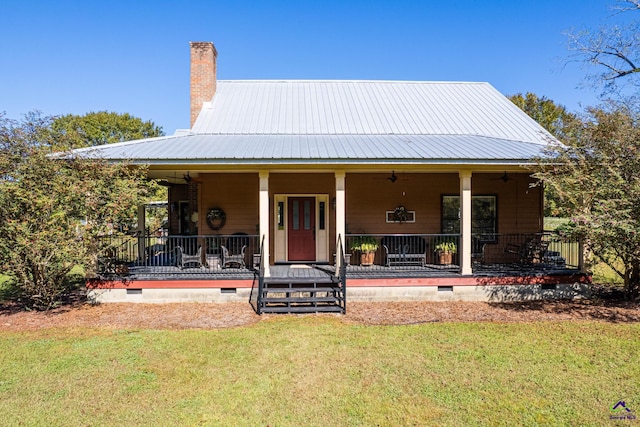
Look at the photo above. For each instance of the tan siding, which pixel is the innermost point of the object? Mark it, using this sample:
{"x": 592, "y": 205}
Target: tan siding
{"x": 369, "y": 196}
{"x": 237, "y": 195}
{"x": 519, "y": 205}
{"x": 302, "y": 183}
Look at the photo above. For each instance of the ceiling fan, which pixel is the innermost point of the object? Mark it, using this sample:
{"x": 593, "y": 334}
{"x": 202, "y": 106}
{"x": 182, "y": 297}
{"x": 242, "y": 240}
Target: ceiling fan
{"x": 392, "y": 178}
{"x": 503, "y": 178}
{"x": 169, "y": 181}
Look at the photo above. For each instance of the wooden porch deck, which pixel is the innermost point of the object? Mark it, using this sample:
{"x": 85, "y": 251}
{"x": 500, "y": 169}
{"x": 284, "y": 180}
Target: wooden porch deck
{"x": 311, "y": 272}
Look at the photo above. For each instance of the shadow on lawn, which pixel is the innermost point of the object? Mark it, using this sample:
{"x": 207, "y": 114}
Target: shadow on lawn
{"x": 73, "y": 296}
{"x": 603, "y": 302}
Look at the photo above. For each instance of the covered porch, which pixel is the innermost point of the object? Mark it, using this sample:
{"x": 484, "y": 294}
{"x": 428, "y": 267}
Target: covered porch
{"x": 402, "y": 267}
{"x": 301, "y": 214}
{"x": 239, "y": 257}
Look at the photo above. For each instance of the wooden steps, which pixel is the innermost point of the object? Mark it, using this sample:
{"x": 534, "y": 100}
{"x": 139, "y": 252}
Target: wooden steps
{"x": 301, "y": 295}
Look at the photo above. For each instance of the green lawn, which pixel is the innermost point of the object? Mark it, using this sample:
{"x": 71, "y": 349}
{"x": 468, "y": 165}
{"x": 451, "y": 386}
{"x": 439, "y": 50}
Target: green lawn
{"x": 293, "y": 371}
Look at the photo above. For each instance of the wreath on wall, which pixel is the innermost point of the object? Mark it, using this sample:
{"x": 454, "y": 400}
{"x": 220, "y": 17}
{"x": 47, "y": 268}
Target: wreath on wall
{"x": 216, "y": 218}
{"x": 400, "y": 214}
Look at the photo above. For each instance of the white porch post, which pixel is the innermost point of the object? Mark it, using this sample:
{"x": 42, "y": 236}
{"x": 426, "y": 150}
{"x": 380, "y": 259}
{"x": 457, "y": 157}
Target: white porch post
{"x": 264, "y": 219}
{"x": 465, "y": 223}
{"x": 141, "y": 231}
{"x": 340, "y": 213}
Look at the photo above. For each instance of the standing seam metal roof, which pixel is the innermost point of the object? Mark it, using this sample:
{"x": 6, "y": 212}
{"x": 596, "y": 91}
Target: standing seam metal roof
{"x": 346, "y": 121}
{"x": 364, "y": 107}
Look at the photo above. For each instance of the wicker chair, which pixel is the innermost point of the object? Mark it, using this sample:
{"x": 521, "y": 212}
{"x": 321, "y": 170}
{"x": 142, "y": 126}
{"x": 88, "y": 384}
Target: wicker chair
{"x": 228, "y": 259}
{"x": 189, "y": 259}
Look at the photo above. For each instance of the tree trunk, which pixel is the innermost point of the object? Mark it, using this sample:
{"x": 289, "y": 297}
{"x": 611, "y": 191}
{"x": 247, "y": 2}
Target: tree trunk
{"x": 632, "y": 281}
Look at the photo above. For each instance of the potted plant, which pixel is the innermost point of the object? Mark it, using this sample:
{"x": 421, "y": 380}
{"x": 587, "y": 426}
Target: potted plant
{"x": 444, "y": 251}
{"x": 367, "y": 246}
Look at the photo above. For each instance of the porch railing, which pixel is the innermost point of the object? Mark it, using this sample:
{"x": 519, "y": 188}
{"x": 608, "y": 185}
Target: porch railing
{"x": 545, "y": 249}
{"x": 151, "y": 255}
{"x": 257, "y": 295}
{"x": 342, "y": 275}
{"x": 403, "y": 251}
{"x": 162, "y": 257}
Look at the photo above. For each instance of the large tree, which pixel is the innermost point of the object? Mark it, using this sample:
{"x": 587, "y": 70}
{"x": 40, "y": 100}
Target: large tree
{"x": 53, "y": 207}
{"x": 559, "y": 122}
{"x": 102, "y": 127}
{"x": 553, "y": 117}
{"x": 596, "y": 175}
{"x": 613, "y": 49}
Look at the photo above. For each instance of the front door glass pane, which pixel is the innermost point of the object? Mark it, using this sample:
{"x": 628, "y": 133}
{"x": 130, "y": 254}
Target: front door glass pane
{"x": 307, "y": 215}
{"x": 296, "y": 215}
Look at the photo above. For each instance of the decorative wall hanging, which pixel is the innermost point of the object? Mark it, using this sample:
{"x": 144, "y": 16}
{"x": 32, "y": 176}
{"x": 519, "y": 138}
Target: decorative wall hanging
{"x": 216, "y": 218}
{"x": 400, "y": 214}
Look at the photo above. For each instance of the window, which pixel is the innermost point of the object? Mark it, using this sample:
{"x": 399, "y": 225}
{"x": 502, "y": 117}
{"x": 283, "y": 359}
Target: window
{"x": 280, "y": 215}
{"x": 484, "y": 216}
{"x": 296, "y": 215}
{"x": 321, "y": 208}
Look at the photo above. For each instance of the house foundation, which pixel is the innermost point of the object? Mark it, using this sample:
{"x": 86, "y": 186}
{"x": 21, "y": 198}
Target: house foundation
{"x": 384, "y": 290}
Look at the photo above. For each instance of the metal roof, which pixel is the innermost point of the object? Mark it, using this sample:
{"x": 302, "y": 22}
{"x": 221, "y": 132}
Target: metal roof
{"x": 362, "y": 108}
{"x": 339, "y": 122}
{"x": 304, "y": 149}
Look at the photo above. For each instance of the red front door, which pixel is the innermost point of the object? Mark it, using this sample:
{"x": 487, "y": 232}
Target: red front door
{"x": 302, "y": 228}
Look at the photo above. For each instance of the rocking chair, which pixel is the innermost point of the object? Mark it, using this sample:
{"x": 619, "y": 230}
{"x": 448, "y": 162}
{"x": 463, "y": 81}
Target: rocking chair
{"x": 531, "y": 252}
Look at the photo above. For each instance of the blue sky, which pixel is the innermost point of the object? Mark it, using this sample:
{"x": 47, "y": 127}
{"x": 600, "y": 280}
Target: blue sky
{"x": 64, "y": 57}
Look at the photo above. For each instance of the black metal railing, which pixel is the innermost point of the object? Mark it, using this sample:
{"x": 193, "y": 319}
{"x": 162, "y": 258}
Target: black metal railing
{"x": 403, "y": 251}
{"x": 342, "y": 275}
{"x": 420, "y": 252}
{"x": 212, "y": 256}
{"x": 546, "y": 249}
{"x": 256, "y": 298}
{"x": 152, "y": 255}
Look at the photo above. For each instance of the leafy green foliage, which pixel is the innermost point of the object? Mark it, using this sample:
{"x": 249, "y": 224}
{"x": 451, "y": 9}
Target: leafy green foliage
{"x": 553, "y": 117}
{"x": 559, "y": 122}
{"x": 102, "y": 127}
{"x": 596, "y": 176}
{"x": 365, "y": 244}
{"x": 52, "y": 208}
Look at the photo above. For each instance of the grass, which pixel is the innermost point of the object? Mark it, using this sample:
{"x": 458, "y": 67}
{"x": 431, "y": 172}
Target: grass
{"x": 310, "y": 370}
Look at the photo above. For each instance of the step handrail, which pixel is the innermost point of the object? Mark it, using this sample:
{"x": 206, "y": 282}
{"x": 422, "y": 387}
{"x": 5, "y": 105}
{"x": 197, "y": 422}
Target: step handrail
{"x": 342, "y": 276}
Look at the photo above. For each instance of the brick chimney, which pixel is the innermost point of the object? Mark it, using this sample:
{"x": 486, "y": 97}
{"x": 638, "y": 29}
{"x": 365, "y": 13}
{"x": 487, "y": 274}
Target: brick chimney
{"x": 203, "y": 76}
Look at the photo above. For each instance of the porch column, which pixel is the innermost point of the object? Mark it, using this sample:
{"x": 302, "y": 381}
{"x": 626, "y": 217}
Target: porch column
{"x": 264, "y": 219}
{"x": 340, "y": 213}
{"x": 141, "y": 231}
{"x": 465, "y": 223}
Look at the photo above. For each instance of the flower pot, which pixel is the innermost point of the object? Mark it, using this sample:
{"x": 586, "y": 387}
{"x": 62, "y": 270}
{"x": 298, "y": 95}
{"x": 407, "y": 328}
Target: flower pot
{"x": 367, "y": 258}
{"x": 445, "y": 258}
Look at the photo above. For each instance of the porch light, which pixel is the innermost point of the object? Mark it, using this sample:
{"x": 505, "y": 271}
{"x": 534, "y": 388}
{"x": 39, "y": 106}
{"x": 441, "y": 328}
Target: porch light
{"x": 194, "y": 217}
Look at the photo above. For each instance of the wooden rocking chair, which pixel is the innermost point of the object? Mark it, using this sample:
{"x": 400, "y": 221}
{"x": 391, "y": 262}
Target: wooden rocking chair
{"x": 531, "y": 252}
